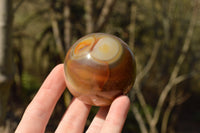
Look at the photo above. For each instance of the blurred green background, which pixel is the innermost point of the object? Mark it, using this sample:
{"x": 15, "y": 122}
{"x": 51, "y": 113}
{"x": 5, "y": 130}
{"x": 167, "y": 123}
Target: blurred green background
{"x": 163, "y": 35}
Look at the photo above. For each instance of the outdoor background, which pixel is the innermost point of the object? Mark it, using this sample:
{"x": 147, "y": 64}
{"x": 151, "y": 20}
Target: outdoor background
{"x": 164, "y": 36}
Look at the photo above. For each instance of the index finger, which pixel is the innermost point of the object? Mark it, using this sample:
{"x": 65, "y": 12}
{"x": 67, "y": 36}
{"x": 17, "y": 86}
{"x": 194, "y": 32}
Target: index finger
{"x": 39, "y": 110}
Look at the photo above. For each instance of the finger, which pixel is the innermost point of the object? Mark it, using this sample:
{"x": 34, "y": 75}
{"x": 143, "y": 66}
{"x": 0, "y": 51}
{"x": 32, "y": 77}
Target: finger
{"x": 97, "y": 123}
{"x": 39, "y": 110}
{"x": 116, "y": 116}
{"x": 74, "y": 118}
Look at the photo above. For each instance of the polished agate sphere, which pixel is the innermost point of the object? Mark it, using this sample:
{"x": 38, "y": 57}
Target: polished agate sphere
{"x": 98, "y": 68}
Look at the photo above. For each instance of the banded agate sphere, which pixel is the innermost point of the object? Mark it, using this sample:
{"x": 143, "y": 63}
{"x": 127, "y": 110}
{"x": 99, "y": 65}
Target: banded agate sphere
{"x": 98, "y": 68}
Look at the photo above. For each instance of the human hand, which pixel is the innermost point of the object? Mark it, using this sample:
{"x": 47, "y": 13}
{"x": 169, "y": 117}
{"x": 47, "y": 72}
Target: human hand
{"x": 107, "y": 120}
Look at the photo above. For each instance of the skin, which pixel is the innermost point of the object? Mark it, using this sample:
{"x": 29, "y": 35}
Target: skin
{"x": 36, "y": 116}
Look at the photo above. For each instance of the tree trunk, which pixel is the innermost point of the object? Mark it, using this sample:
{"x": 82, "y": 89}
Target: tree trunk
{"x": 67, "y": 25}
{"x": 6, "y": 66}
{"x": 104, "y": 15}
{"x": 133, "y": 10}
{"x": 88, "y": 16}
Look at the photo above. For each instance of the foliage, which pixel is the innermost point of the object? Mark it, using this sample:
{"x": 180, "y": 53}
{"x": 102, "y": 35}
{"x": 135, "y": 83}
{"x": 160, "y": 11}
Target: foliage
{"x": 30, "y": 84}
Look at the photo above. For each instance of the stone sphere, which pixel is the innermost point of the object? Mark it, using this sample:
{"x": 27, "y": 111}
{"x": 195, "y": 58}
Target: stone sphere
{"x": 98, "y": 68}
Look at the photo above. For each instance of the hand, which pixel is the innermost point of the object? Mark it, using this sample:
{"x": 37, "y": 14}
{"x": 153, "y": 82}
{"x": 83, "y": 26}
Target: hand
{"x": 107, "y": 120}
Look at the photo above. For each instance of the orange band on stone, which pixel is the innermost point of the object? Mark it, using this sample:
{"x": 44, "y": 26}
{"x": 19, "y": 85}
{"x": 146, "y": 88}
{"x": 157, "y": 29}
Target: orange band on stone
{"x": 84, "y": 45}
